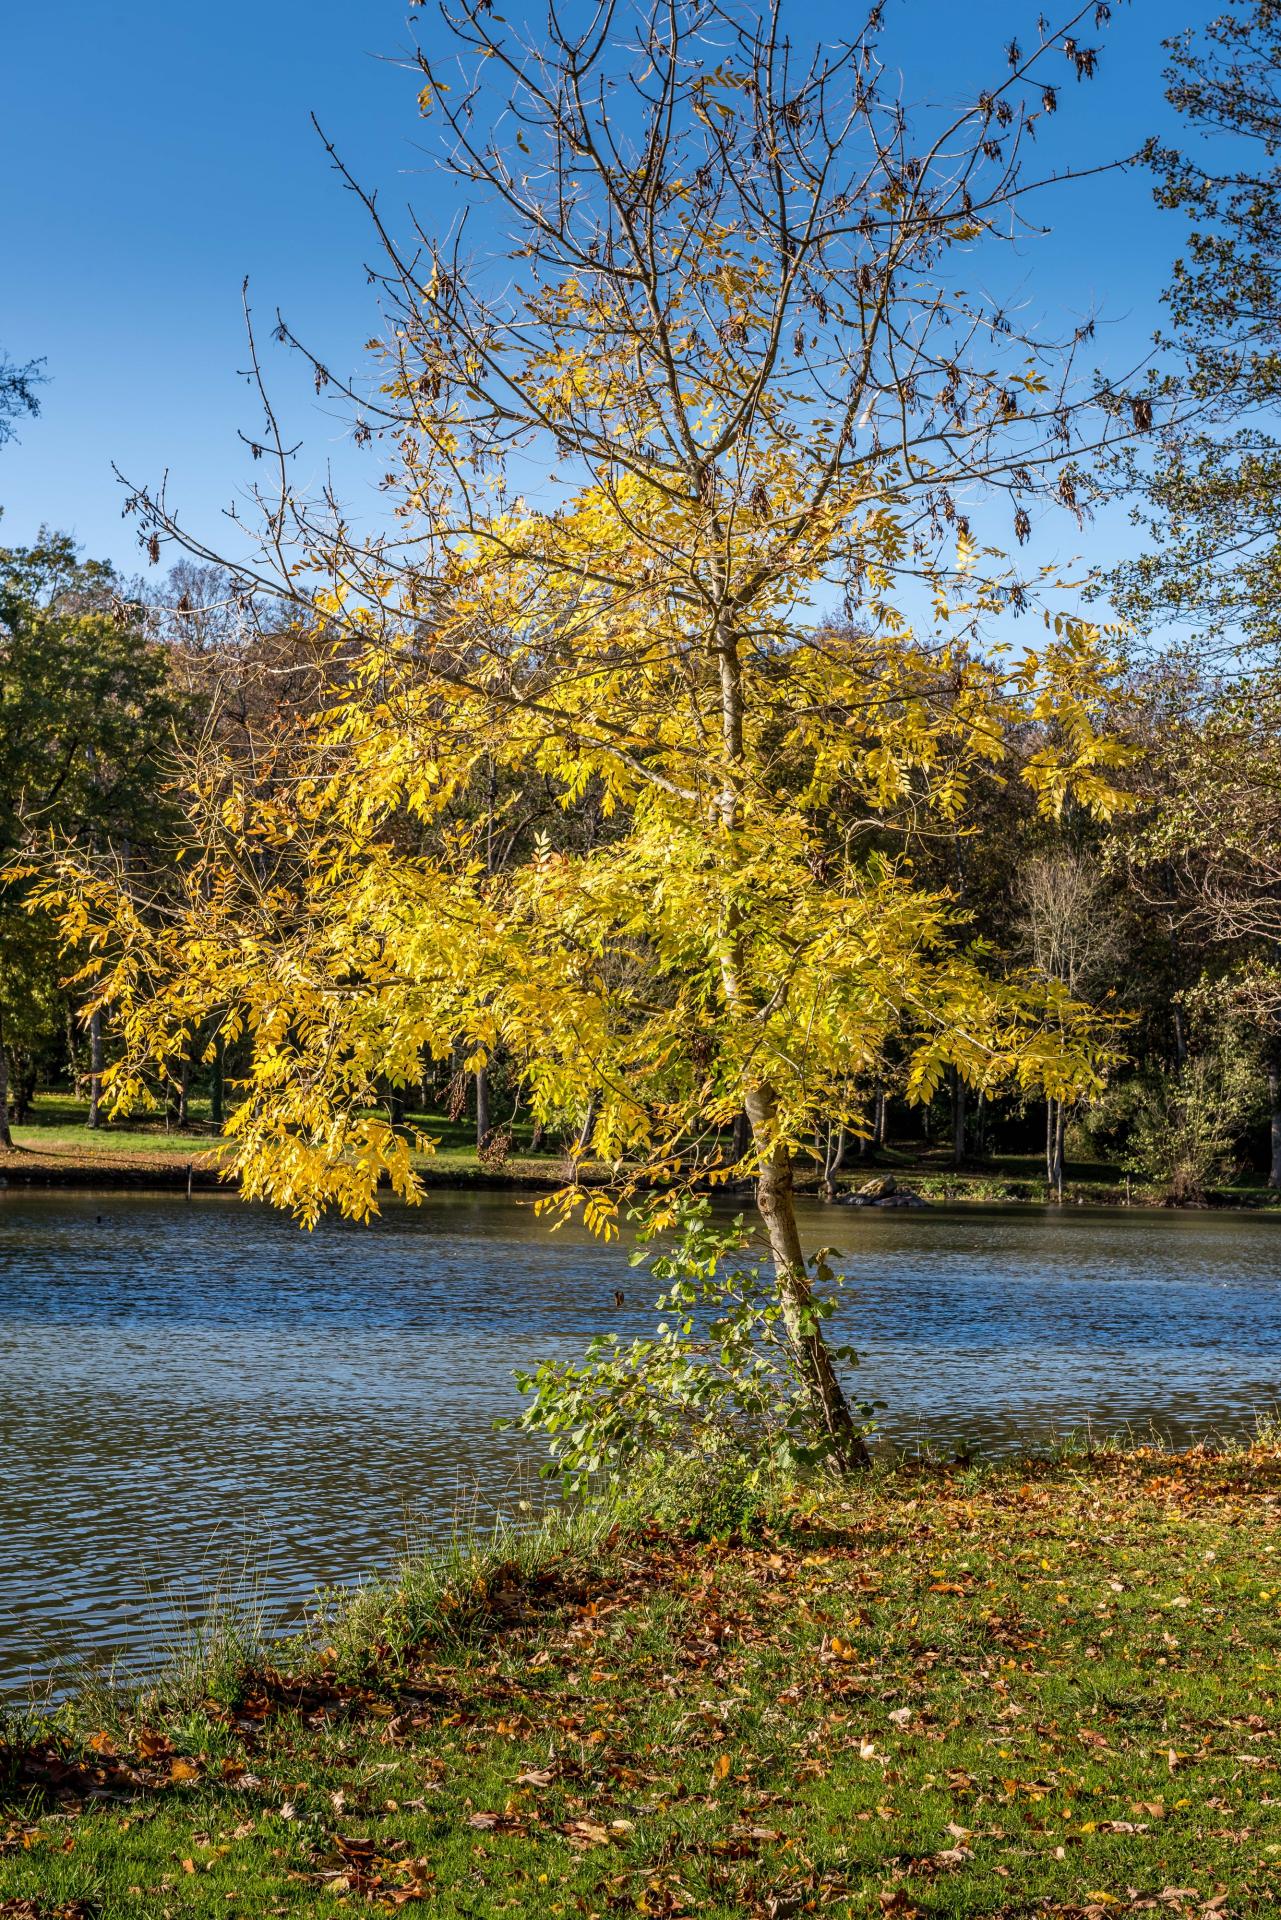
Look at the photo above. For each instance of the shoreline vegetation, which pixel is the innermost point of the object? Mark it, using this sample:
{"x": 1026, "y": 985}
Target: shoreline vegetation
{"x": 57, "y": 1149}
{"x": 1045, "y": 1686}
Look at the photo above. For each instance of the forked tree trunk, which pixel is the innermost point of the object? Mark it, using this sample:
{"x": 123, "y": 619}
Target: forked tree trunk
{"x": 776, "y": 1204}
{"x": 1055, "y": 1129}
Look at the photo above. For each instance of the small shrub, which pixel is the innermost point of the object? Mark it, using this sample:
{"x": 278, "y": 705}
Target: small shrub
{"x": 1185, "y": 1126}
{"x": 717, "y": 1383}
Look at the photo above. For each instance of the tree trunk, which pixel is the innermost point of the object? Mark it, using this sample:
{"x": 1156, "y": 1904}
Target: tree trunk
{"x": 1055, "y": 1129}
{"x": 176, "y": 1095}
{"x": 1049, "y": 1140}
{"x": 6, "y": 1138}
{"x": 833, "y": 1160}
{"x": 22, "y": 1086}
{"x": 878, "y": 1125}
{"x": 742, "y": 1137}
{"x": 1274, "y": 1109}
{"x": 216, "y": 1086}
{"x": 589, "y": 1121}
{"x": 775, "y": 1202}
{"x": 73, "y": 1050}
{"x": 96, "y": 1063}
{"x": 959, "y": 1091}
{"x": 482, "y": 1106}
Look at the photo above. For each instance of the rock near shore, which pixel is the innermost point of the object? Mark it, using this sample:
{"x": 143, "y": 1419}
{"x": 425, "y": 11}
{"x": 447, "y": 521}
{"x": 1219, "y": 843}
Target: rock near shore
{"x": 884, "y": 1192}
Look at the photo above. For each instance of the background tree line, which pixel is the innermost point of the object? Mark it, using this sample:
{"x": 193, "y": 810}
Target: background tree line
{"x": 1169, "y": 915}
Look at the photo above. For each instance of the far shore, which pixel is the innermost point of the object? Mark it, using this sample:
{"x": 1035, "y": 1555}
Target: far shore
{"x": 64, "y": 1153}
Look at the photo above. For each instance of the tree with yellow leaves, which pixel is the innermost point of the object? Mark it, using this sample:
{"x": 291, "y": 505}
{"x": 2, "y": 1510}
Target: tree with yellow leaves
{"x": 725, "y": 370}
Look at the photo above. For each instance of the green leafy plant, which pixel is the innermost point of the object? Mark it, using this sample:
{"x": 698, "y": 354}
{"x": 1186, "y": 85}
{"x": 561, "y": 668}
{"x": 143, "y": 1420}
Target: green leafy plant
{"x": 719, "y": 1382}
{"x": 1185, "y": 1125}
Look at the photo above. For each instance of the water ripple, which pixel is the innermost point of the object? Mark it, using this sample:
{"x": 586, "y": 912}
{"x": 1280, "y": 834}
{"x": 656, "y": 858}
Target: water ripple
{"x": 176, "y": 1377}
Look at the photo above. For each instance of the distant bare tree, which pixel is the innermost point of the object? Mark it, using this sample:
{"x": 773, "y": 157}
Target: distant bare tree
{"x": 1071, "y": 934}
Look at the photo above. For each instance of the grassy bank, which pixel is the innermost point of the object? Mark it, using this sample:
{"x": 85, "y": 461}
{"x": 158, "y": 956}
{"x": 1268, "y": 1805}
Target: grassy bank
{"x": 57, "y": 1149}
{"x": 1028, "y": 1690}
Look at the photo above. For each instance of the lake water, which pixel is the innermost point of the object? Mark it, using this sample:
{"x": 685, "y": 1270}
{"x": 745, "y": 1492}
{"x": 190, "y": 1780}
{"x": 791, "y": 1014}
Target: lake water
{"x": 182, "y": 1380}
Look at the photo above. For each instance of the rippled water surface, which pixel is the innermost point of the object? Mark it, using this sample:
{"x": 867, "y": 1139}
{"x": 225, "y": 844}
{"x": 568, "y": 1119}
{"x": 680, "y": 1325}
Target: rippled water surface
{"x": 178, "y": 1378}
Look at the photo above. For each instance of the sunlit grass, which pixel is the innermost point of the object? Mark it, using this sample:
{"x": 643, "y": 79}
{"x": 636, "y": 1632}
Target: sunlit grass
{"x": 59, "y": 1136}
{"x": 1035, "y": 1688}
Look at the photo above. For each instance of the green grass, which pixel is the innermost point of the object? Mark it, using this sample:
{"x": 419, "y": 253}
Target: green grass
{"x": 58, "y": 1125}
{"x": 1033, "y": 1689}
{"x": 58, "y": 1133}
{"x": 57, "y": 1130}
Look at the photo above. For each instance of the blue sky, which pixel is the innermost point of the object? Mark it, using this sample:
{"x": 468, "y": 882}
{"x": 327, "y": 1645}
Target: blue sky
{"x": 152, "y": 156}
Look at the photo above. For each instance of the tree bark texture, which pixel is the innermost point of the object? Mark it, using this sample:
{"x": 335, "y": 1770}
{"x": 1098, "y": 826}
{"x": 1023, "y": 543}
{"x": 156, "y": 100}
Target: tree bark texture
{"x": 775, "y": 1202}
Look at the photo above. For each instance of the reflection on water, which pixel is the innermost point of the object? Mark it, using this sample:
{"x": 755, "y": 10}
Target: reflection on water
{"x": 174, "y": 1372}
